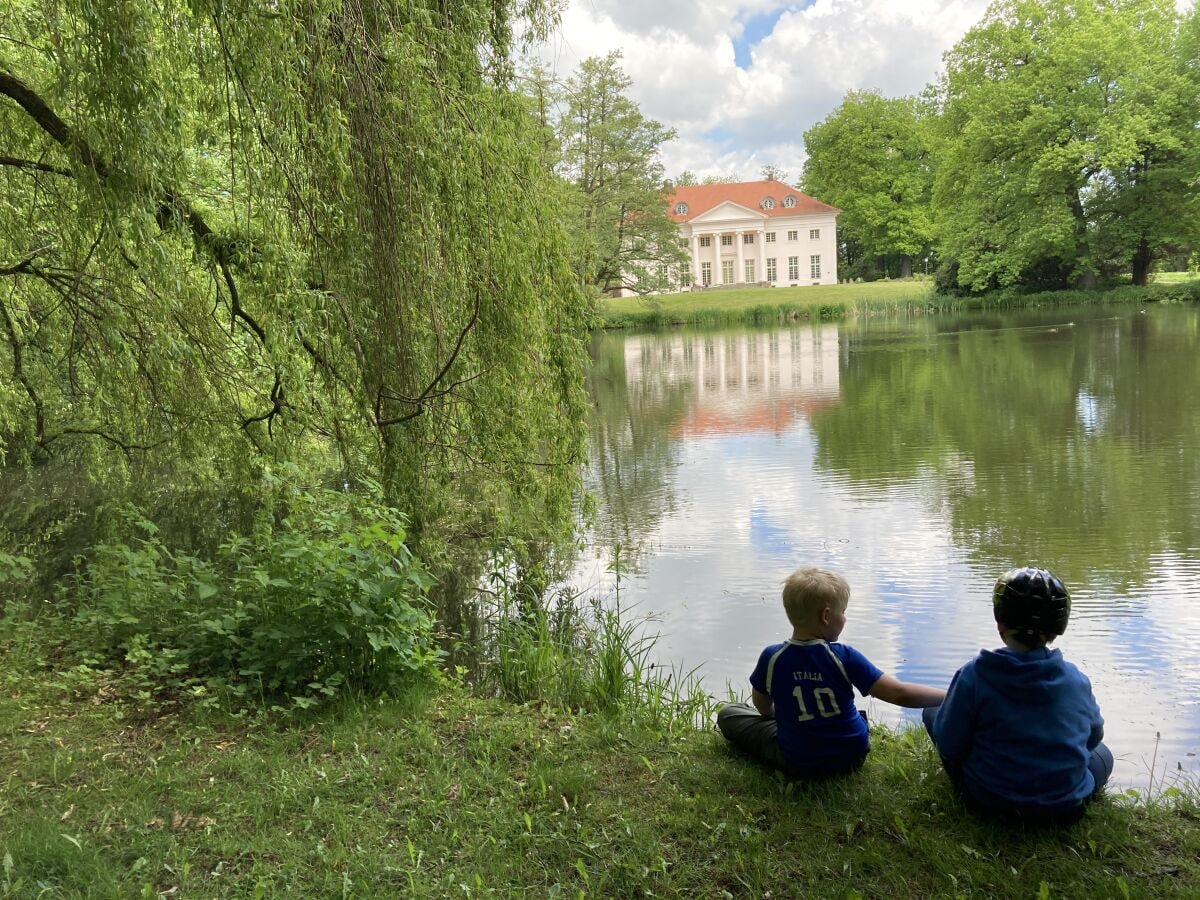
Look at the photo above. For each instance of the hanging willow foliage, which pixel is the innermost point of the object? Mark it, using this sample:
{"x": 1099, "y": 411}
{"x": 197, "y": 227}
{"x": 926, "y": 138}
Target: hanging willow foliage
{"x": 244, "y": 230}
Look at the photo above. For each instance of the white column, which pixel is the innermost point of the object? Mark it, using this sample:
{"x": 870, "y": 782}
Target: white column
{"x": 761, "y": 236}
{"x": 695, "y": 244}
{"x": 739, "y": 271}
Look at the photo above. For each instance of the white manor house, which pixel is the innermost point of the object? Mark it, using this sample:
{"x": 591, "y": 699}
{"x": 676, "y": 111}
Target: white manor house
{"x": 754, "y": 232}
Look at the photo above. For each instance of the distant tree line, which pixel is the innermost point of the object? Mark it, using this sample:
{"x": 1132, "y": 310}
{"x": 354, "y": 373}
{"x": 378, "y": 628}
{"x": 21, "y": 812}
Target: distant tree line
{"x": 1060, "y": 147}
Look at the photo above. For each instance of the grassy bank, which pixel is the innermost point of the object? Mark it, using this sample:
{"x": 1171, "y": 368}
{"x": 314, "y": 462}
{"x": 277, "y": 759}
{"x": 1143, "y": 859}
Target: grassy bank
{"x": 444, "y": 794}
{"x": 839, "y": 301}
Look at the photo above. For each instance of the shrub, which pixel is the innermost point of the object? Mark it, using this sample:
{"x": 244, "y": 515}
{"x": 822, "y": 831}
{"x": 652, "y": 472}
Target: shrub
{"x": 322, "y": 598}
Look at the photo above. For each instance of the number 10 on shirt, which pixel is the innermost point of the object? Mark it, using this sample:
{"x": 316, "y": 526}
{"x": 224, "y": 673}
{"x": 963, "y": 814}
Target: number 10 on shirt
{"x": 823, "y": 698}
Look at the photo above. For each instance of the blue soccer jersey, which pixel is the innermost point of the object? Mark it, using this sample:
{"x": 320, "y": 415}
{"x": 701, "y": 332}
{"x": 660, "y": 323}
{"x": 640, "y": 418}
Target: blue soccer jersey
{"x": 812, "y": 686}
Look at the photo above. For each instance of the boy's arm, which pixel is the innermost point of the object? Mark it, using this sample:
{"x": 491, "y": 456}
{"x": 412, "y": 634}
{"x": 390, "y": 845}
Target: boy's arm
{"x": 953, "y": 725}
{"x": 762, "y": 702}
{"x": 906, "y": 693}
{"x": 1097, "y": 731}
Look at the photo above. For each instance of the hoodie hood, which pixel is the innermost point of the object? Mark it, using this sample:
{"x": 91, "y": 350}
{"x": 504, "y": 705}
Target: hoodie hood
{"x": 1033, "y": 677}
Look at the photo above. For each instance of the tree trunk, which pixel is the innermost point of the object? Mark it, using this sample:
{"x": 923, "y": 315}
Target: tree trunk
{"x": 906, "y": 266}
{"x": 1142, "y": 260}
{"x": 1087, "y": 274}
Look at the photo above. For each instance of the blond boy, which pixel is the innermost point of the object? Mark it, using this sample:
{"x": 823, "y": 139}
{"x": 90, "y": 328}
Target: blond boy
{"x": 803, "y": 720}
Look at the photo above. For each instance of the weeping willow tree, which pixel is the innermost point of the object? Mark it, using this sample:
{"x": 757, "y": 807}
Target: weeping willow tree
{"x": 235, "y": 232}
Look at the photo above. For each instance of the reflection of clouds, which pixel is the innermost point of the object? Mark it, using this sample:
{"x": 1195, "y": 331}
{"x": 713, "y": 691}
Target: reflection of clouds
{"x": 1087, "y": 408}
{"x": 754, "y": 503}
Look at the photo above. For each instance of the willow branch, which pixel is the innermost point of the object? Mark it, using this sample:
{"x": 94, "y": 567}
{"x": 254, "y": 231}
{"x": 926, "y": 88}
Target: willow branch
{"x": 171, "y": 205}
{"x": 115, "y": 441}
{"x": 34, "y": 166}
{"x": 14, "y": 343}
{"x": 430, "y": 389}
{"x": 278, "y": 401}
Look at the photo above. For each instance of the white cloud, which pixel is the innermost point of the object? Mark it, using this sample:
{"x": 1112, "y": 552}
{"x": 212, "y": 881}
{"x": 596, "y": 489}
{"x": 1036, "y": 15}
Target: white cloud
{"x": 730, "y": 120}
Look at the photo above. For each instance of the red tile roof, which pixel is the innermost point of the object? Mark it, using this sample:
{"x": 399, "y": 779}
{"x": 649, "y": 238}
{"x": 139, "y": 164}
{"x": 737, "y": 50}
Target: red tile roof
{"x": 700, "y": 198}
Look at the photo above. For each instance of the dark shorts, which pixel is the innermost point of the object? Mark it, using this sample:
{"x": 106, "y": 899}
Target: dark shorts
{"x": 757, "y": 736}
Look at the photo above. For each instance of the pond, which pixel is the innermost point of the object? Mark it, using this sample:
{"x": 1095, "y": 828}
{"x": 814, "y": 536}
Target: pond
{"x": 920, "y": 459}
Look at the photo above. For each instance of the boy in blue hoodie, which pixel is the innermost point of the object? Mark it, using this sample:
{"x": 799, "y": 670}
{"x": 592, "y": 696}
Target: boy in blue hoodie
{"x": 1019, "y": 731}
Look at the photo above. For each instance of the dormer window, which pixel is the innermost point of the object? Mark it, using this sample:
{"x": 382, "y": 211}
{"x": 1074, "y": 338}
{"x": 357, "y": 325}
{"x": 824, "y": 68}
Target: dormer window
{"x": 789, "y": 201}
{"x": 767, "y": 203}
{"x": 681, "y": 209}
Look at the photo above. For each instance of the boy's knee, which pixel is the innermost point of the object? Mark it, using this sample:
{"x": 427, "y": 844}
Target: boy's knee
{"x": 1101, "y": 765}
{"x": 731, "y": 711}
{"x": 928, "y": 714}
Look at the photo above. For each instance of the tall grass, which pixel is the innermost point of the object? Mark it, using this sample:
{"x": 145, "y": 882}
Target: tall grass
{"x": 584, "y": 651}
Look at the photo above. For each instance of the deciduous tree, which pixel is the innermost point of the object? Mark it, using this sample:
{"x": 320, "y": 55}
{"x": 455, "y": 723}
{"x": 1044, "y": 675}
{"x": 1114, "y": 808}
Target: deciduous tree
{"x": 1061, "y": 141}
{"x": 870, "y": 158}
{"x": 610, "y": 157}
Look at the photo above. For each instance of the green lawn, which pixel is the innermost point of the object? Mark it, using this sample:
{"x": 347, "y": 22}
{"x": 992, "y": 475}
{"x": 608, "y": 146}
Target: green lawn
{"x": 448, "y": 795}
{"x": 734, "y": 299}
{"x": 755, "y": 303}
{"x": 1175, "y": 277}
{"x": 837, "y": 301}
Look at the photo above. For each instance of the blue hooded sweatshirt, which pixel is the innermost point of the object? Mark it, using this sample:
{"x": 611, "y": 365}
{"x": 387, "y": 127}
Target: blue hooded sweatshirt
{"x": 1018, "y": 728}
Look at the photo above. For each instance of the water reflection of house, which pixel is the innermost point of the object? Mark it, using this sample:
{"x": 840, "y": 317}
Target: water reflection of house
{"x": 740, "y": 382}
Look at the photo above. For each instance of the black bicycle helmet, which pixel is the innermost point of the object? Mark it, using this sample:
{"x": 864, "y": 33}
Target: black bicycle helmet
{"x": 1032, "y": 599}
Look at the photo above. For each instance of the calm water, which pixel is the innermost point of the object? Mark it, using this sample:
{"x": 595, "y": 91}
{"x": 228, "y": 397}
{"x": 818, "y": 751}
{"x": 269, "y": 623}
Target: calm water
{"x": 920, "y": 459}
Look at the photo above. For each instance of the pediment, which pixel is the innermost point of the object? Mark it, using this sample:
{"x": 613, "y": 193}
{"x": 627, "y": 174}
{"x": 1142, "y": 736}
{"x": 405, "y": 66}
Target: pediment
{"x": 727, "y": 210}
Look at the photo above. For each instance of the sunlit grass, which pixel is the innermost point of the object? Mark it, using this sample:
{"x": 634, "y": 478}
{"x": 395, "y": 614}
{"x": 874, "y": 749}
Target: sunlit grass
{"x": 1175, "y": 277}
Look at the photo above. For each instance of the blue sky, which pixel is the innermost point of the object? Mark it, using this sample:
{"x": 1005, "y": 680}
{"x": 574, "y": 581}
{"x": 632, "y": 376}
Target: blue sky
{"x": 758, "y": 26}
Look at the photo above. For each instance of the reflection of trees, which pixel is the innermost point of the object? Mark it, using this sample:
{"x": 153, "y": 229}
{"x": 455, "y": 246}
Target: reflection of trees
{"x": 631, "y": 447}
{"x": 1077, "y": 446}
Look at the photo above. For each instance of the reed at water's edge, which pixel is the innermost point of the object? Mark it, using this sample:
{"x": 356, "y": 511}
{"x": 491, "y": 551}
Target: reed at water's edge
{"x": 838, "y": 301}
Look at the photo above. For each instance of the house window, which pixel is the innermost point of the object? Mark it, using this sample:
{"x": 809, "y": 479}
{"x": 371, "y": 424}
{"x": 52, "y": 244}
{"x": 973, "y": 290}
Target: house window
{"x": 771, "y": 271}
{"x": 814, "y": 234}
{"x": 748, "y": 238}
{"x": 706, "y": 273}
{"x": 767, "y": 203}
{"x": 727, "y": 240}
{"x": 789, "y": 202}
{"x": 770, "y": 237}
{"x": 793, "y": 268}
{"x": 814, "y": 266}
{"x": 706, "y": 241}
{"x": 681, "y": 209}
{"x": 749, "y": 271}
{"x": 683, "y": 242}
{"x": 794, "y": 235}
{"x": 685, "y": 278}
{"x": 727, "y": 271}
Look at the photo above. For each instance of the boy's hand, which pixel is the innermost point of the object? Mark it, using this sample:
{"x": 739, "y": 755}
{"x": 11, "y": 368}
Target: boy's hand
{"x": 904, "y": 693}
{"x": 762, "y": 702}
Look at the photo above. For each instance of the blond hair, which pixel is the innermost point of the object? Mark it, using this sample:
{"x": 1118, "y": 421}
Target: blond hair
{"x": 807, "y": 591}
